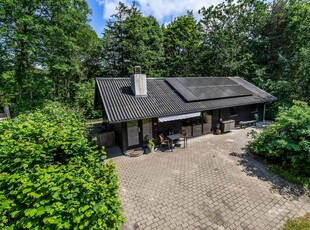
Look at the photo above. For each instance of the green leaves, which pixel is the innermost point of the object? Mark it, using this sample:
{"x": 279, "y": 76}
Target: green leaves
{"x": 44, "y": 48}
{"x": 51, "y": 176}
{"x": 182, "y": 43}
{"x": 231, "y": 32}
{"x": 132, "y": 39}
{"x": 287, "y": 142}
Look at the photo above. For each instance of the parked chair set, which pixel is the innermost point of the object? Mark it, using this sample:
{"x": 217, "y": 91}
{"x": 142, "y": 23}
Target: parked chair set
{"x": 165, "y": 141}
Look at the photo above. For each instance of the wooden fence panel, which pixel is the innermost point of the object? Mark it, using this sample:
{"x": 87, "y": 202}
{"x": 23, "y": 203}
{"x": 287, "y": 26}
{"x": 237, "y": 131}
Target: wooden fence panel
{"x": 105, "y": 139}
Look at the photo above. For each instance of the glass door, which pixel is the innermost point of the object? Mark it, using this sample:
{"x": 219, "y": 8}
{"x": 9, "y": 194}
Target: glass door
{"x": 133, "y": 134}
{"x": 147, "y": 128}
{"x": 207, "y": 122}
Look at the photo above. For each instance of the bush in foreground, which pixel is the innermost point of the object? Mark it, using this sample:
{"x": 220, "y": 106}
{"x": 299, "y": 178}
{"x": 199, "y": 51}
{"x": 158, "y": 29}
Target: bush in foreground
{"x": 286, "y": 143}
{"x": 51, "y": 178}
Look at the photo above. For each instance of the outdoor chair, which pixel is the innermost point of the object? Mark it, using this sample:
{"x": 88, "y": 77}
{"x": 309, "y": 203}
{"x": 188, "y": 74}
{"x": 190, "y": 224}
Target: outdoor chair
{"x": 164, "y": 141}
{"x": 183, "y": 137}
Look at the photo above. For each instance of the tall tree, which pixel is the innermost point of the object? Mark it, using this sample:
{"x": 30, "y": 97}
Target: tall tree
{"x": 65, "y": 29}
{"x": 20, "y": 43}
{"x": 182, "y": 40}
{"x": 231, "y": 33}
{"x": 285, "y": 54}
{"x": 41, "y": 45}
{"x": 131, "y": 39}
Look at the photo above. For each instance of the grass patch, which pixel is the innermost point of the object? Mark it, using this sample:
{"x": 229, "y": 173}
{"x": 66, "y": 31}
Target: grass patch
{"x": 290, "y": 176}
{"x": 299, "y": 223}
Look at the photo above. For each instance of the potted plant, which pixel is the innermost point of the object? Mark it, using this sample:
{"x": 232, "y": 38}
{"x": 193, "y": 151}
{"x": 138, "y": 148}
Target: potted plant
{"x": 150, "y": 144}
{"x": 256, "y": 116}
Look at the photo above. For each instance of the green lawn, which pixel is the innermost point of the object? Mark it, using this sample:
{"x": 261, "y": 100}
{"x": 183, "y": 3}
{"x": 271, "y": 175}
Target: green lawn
{"x": 290, "y": 176}
{"x": 300, "y": 223}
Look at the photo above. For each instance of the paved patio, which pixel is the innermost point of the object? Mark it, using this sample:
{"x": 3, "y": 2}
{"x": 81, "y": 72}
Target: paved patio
{"x": 212, "y": 184}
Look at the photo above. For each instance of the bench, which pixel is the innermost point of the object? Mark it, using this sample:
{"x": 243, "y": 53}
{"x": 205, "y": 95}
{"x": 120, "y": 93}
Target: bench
{"x": 244, "y": 124}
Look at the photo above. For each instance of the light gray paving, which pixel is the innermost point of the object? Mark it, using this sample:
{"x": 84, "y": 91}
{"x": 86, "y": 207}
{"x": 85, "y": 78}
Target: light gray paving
{"x": 212, "y": 184}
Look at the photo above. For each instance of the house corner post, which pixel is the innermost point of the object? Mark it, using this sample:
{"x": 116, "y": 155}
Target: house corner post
{"x": 264, "y": 112}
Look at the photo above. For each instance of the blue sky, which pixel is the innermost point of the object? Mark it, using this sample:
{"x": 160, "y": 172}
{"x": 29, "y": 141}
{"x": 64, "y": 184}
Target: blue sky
{"x": 164, "y": 11}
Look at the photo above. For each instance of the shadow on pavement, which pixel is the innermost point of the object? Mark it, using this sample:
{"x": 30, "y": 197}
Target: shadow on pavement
{"x": 254, "y": 168}
{"x": 114, "y": 151}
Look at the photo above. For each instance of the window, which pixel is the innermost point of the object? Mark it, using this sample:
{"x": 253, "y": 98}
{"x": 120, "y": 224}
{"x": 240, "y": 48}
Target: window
{"x": 233, "y": 111}
{"x": 254, "y": 108}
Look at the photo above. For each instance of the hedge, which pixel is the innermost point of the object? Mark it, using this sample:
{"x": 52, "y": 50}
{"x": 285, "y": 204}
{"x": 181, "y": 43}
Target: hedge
{"x": 52, "y": 178}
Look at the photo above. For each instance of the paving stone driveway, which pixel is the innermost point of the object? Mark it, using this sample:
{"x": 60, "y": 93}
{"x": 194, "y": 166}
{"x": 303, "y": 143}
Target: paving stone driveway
{"x": 212, "y": 184}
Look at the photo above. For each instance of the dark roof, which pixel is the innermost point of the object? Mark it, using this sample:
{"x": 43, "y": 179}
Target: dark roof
{"x": 163, "y": 100}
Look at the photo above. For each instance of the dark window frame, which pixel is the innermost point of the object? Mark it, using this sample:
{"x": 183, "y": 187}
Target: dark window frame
{"x": 233, "y": 112}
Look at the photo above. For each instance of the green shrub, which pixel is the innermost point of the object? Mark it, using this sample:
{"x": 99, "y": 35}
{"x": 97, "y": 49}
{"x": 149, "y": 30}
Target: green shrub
{"x": 300, "y": 223}
{"x": 290, "y": 175}
{"x": 27, "y": 106}
{"x": 52, "y": 178}
{"x": 287, "y": 141}
{"x": 84, "y": 99}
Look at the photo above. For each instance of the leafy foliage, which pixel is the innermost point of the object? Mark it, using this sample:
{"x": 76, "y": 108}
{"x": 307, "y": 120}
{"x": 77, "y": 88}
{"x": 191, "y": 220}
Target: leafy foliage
{"x": 131, "y": 39}
{"x": 84, "y": 99}
{"x": 44, "y": 45}
{"x": 290, "y": 175}
{"x": 284, "y": 51}
{"x": 231, "y": 32}
{"x": 51, "y": 176}
{"x": 27, "y": 106}
{"x": 182, "y": 40}
{"x": 47, "y": 48}
{"x": 287, "y": 142}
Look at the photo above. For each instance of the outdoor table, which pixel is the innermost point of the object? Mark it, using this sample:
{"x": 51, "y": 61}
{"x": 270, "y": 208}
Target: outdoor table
{"x": 177, "y": 136}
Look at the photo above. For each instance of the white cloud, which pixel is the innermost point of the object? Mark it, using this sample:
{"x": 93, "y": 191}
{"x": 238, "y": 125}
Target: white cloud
{"x": 109, "y": 6}
{"x": 160, "y": 9}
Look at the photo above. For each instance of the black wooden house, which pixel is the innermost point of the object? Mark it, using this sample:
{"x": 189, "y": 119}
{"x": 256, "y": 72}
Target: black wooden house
{"x": 138, "y": 106}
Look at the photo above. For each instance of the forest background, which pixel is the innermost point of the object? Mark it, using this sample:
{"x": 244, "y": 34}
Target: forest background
{"x": 48, "y": 50}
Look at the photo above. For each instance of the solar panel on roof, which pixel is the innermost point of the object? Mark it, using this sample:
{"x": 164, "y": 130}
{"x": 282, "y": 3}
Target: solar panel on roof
{"x": 197, "y": 92}
{"x": 176, "y": 83}
{"x": 221, "y": 91}
{"x": 199, "y": 89}
{"x": 189, "y": 96}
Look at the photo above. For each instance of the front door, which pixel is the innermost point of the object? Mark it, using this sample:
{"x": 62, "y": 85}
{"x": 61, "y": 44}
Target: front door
{"x": 133, "y": 134}
{"x": 137, "y": 131}
{"x": 147, "y": 128}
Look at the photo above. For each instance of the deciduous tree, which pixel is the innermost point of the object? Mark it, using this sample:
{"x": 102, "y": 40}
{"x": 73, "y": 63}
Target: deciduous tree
{"x": 182, "y": 41}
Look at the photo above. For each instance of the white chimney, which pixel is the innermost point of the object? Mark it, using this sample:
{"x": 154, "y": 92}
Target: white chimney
{"x": 138, "y": 83}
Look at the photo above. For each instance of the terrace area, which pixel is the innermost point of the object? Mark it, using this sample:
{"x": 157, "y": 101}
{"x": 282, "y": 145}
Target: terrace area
{"x": 212, "y": 184}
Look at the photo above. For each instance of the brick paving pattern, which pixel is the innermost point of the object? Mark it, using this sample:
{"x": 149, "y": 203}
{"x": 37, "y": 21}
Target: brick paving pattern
{"x": 212, "y": 184}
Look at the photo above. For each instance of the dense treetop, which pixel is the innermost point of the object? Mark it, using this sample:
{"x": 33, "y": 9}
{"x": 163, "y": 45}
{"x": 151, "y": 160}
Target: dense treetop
{"x": 49, "y": 51}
